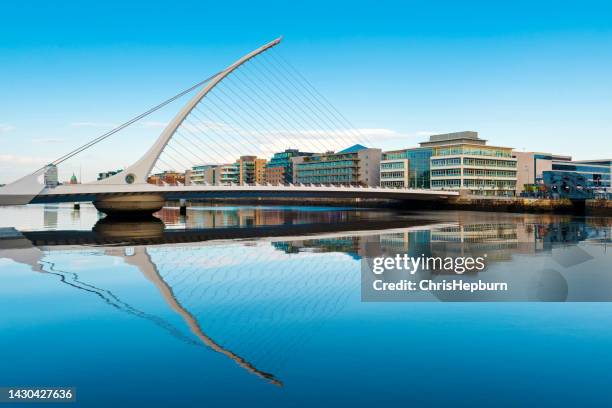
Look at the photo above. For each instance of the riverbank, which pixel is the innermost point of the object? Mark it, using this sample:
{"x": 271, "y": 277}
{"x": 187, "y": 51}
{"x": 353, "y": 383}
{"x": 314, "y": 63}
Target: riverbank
{"x": 465, "y": 203}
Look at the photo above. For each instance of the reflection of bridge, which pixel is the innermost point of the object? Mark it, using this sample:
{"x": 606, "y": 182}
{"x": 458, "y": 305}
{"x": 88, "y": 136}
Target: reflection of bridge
{"x": 268, "y": 119}
{"x": 258, "y": 310}
{"x": 222, "y": 306}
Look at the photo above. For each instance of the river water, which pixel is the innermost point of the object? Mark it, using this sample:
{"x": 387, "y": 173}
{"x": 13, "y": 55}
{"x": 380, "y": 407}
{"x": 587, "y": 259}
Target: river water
{"x": 261, "y": 306}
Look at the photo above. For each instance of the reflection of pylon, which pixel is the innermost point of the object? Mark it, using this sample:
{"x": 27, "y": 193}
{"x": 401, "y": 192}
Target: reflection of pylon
{"x": 142, "y": 260}
{"x": 72, "y": 279}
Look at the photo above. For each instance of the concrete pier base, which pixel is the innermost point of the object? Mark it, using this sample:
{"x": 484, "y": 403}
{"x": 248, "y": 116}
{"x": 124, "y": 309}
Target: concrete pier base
{"x": 182, "y": 207}
{"x": 108, "y": 229}
{"x": 130, "y": 205}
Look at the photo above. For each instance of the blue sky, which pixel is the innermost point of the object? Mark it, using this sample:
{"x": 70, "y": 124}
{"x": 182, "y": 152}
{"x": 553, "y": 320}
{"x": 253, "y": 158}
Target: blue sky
{"x": 531, "y": 75}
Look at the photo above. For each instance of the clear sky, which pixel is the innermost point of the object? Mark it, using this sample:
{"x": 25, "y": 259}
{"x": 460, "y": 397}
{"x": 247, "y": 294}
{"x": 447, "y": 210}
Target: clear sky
{"x": 534, "y": 75}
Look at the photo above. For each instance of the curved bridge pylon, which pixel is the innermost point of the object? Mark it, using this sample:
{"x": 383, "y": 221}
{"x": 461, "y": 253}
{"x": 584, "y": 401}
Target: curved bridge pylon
{"x": 139, "y": 171}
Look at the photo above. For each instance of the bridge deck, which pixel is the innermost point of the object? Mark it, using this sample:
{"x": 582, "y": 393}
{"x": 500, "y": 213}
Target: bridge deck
{"x": 89, "y": 192}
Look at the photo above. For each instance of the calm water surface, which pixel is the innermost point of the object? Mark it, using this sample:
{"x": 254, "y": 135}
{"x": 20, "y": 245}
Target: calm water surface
{"x": 260, "y": 306}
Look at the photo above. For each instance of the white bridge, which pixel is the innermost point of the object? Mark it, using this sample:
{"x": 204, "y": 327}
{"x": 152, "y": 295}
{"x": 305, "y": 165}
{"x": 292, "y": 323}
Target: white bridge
{"x": 129, "y": 192}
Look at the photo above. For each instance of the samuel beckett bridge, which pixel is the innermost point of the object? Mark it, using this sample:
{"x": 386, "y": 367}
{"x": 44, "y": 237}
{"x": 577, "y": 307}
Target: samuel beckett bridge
{"x": 258, "y": 105}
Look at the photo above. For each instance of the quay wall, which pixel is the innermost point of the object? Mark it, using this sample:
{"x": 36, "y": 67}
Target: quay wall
{"x": 464, "y": 202}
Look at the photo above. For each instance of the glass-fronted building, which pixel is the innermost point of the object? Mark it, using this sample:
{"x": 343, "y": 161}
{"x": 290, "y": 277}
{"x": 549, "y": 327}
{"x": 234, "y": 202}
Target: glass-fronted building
{"x": 406, "y": 168}
{"x": 279, "y": 170}
{"x": 463, "y": 161}
{"x": 595, "y": 172}
{"x": 357, "y": 165}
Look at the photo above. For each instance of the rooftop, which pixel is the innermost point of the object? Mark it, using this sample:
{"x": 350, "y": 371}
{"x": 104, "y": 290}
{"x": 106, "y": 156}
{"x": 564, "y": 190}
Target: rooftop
{"x": 353, "y": 149}
{"x": 466, "y": 136}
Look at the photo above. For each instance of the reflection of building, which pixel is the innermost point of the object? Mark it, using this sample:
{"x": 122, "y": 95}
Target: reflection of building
{"x": 347, "y": 245}
{"x": 279, "y": 170}
{"x": 357, "y": 165}
{"x": 407, "y": 168}
{"x": 167, "y": 177}
{"x": 462, "y": 161}
{"x": 50, "y": 216}
{"x": 107, "y": 174}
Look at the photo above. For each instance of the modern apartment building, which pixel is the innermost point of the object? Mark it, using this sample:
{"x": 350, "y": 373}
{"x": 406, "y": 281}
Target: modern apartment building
{"x": 356, "y": 165}
{"x": 229, "y": 174}
{"x": 463, "y": 161}
{"x": 406, "y": 168}
{"x": 279, "y": 170}
{"x": 203, "y": 174}
{"x": 251, "y": 170}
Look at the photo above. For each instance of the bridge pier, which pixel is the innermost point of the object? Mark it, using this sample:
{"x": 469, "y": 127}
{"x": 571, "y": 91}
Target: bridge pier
{"x": 130, "y": 205}
{"x": 183, "y": 207}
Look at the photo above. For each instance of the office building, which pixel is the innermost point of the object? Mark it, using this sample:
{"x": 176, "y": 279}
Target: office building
{"x": 567, "y": 184}
{"x": 406, "y": 168}
{"x": 462, "y": 161}
{"x": 356, "y": 165}
{"x": 530, "y": 167}
{"x": 279, "y": 170}
{"x": 595, "y": 172}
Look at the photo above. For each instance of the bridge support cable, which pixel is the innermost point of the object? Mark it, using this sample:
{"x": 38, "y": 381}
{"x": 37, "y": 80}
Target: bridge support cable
{"x": 265, "y": 150}
{"x": 220, "y": 154}
{"x": 320, "y": 116}
{"x": 185, "y": 152}
{"x": 235, "y": 140}
{"x": 312, "y": 129}
{"x": 262, "y": 141}
{"x": 128, "y": 123}
{"x": 318, "y": 109}
{"x": 260, "y": 108}
{"x": 301, "y": 104}
{"x": 263, "y": 103}
{"x": 330, "y": 107}
{"x": 266, "y": 134}
{"x": 173, "y": 157}
{"x": 325, "y": 113}
{"x": 256, "y": 107}
{"x": 267, "y": 143}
